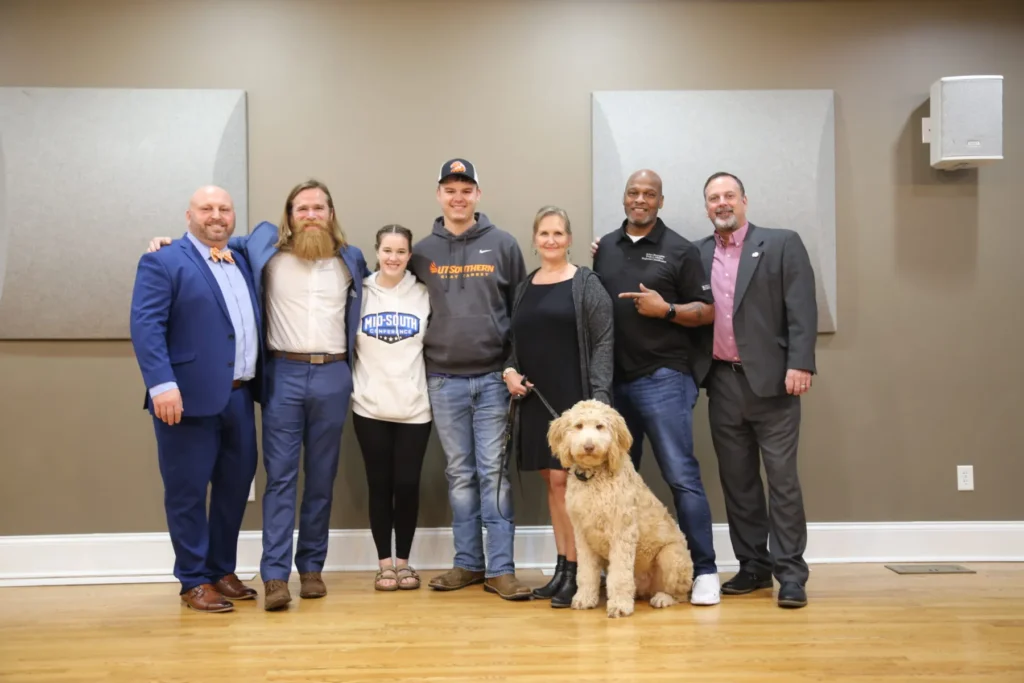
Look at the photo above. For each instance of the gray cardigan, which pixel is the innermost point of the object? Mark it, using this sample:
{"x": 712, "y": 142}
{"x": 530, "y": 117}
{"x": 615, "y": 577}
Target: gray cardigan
{"x": 594, "y": 330}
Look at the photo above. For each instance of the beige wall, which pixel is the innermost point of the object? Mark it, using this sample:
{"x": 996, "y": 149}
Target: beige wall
{"x": 925, "y": 371}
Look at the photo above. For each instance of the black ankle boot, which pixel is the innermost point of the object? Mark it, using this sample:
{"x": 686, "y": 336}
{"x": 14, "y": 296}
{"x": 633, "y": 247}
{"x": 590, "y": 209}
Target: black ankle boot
{"x": 555, "y": 583}
{"x": 563, "y": 598}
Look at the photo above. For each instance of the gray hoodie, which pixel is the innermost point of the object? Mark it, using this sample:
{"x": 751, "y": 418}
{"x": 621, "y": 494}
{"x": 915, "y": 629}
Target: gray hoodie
{"x": 472, "y": 279}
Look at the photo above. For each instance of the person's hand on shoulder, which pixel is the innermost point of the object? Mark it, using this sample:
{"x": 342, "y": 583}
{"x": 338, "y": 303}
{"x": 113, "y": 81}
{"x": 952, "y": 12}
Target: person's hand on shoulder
{"x": 156, "y": 243}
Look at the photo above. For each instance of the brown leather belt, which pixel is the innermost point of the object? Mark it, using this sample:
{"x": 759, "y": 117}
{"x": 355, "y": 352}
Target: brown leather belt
{"x": 236, "y": 384}
{"x": 314, "y": 358}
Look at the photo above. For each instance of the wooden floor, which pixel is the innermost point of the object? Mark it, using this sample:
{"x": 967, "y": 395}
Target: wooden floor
{"x": 863, "y": 623}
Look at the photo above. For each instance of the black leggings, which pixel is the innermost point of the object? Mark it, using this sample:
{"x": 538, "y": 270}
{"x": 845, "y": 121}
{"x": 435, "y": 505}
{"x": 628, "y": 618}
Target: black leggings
{"x": 393, "y": 454}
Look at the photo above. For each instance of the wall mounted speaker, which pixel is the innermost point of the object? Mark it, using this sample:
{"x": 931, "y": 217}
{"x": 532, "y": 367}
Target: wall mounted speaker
{"x": 966, "y": 125}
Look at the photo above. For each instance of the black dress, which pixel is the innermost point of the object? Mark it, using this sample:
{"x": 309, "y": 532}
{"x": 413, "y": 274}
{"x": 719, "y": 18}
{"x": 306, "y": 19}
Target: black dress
{"x": 548, "y": 355}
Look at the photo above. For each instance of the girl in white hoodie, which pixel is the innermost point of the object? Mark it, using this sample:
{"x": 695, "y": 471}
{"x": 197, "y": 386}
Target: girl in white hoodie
{"x": 390, "y": 404}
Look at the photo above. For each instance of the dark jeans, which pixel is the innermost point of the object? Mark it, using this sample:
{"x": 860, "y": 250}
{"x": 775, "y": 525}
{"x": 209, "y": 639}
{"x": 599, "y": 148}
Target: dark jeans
{"x": 660, "y": 405}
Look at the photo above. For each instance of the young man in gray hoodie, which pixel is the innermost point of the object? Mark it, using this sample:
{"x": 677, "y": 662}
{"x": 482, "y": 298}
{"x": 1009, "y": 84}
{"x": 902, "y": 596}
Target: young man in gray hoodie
{"x": 471, "y": 269}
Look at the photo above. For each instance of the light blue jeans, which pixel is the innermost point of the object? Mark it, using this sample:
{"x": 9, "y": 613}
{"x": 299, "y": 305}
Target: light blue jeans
{"x": 469, "y": 415}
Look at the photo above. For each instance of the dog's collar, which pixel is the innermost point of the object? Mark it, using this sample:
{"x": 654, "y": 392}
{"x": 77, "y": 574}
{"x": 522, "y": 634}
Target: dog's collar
{"x": 581, "y": 475}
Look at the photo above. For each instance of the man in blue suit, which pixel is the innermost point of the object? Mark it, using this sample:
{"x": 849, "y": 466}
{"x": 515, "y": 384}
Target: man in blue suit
{"x": 195, "y": 325}
{"x": 310, "y": 281}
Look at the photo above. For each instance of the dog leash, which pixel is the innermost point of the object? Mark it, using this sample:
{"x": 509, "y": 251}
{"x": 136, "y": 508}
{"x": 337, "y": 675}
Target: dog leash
{"x": 535, "y": 390}
{"x": 509, "y": 421}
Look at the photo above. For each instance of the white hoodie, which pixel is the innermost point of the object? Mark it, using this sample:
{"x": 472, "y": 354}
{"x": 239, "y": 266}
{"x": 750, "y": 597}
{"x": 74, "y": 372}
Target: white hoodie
{"x": 390, "y": 376}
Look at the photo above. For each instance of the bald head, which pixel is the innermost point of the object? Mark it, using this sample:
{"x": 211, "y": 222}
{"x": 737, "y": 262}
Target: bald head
{"x": 645, "y": 175}
{"x": 642, "y": 200}
{"x": 211, "y": 216}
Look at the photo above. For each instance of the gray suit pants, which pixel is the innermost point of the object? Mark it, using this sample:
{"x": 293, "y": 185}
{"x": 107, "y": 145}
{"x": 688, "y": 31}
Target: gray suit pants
{"x": 745, "y": 426}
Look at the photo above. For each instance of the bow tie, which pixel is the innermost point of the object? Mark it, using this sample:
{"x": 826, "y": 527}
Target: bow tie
{"x": 218, "y": 255}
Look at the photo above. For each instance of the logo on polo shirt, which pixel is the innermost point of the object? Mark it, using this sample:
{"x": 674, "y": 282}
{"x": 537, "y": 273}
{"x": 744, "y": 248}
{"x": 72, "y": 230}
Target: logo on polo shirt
{"x": 390, "y": 326}
{"x": 654, "y": 257}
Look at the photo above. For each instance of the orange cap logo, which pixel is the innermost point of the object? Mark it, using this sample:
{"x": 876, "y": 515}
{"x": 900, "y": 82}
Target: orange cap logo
{"x": 458, "y": 167}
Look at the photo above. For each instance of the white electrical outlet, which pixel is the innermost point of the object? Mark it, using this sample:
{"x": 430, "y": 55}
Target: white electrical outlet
{"x": 252, "y": 490}
{"x": 965, "y": 477}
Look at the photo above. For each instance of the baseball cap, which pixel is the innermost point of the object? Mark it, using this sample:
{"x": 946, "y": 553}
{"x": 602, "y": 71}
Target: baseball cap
{"x": 458, "y": 167}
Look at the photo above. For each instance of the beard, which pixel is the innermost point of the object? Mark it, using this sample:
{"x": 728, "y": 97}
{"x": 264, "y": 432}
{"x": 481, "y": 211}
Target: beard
{"x": 726, "y": 222}
{"x": 315, "y": 244}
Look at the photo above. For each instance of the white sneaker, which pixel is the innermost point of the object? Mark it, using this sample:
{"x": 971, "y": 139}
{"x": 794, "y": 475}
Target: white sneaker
{"x": 706, "y": 590}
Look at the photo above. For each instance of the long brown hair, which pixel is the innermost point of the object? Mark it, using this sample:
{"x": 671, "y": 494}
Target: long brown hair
{"x": 284, "y": 229}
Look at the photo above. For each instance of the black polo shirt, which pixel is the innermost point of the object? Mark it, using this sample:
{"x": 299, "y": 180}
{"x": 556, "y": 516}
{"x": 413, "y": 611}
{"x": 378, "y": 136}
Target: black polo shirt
{"x": 668, "y": 263}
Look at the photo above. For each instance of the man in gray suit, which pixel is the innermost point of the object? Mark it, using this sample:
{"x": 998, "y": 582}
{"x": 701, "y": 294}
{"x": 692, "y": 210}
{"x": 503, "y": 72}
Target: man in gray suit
{"x": 764, "y": 333}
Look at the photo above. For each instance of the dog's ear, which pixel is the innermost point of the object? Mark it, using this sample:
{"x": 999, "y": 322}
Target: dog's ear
{"x": 618, "y": 451}
{"x": 557, "y": 432}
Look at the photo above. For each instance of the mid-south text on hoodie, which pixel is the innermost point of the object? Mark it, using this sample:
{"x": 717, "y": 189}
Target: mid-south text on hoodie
{"x": 472, "y": 279}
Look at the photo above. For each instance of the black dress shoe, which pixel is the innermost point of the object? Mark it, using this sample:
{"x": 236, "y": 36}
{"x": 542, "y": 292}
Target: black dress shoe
{"x": 554, "y": 584}
{"x": 792, "y": 595}
{"x": 746, "y": 582}
{"x": 563, "y": 598}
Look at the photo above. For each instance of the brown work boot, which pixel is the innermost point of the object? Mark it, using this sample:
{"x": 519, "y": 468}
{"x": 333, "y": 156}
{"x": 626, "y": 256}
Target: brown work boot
{"x": 312, "y": 585}
{"x": 205, "y": 598}
{"x": 508, "y": 587}
{"x": 232, "y": 588}
{"x": 276, "y": 594}
{"x": 454, "y": 579}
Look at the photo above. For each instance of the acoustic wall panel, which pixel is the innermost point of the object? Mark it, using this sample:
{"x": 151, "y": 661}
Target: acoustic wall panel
{"x": 780, "y": 143}
{"x": 87, "y": 177}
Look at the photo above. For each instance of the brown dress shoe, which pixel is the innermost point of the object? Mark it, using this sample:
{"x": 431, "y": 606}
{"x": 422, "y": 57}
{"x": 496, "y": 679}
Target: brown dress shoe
{"x": 206, "y": 598}
{"x": 231, "y": 587}
{"x": 276, "y": 594}
{"x": 508, "y": 587}
{"x": 454, "y": 579}
{"x": 312, "y": 585}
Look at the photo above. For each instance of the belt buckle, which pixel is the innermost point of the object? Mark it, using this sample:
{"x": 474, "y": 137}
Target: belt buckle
{"x": 317, "y": 358}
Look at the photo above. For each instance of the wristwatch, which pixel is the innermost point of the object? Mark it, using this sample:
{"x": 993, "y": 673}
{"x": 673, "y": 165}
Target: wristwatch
{"x": 671, "y": 312}
{"x": 506, "y": 371}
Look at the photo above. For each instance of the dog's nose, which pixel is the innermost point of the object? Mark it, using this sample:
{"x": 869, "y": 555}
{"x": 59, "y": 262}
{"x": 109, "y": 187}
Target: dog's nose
{"x": 589, "y": 447}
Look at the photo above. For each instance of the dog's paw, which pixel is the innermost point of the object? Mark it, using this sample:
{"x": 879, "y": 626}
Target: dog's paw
{"x": 659, "y": 600}
{"x": 580, "y": 601}
{"x": 619, "y": 608}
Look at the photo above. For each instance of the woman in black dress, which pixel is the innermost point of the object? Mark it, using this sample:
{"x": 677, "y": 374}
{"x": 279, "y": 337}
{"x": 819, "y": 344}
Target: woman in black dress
{"x": 562, "y": 344}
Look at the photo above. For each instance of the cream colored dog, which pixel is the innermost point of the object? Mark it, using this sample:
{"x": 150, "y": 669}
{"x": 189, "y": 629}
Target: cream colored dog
{"x": 618, "y": 521}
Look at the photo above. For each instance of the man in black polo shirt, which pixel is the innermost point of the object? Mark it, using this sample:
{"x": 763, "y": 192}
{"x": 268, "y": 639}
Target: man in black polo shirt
{"x": 657, "y": 282}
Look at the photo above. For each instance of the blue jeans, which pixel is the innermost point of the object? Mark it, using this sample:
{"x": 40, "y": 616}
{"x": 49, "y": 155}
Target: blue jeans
{"x": 304, "y": 411}
{"x": 469, "y": 414}
{"x": 660, "y": 405}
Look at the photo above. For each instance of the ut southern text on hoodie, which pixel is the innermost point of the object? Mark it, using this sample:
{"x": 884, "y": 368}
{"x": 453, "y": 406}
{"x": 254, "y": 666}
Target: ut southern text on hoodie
{"x": 472, "y": 279}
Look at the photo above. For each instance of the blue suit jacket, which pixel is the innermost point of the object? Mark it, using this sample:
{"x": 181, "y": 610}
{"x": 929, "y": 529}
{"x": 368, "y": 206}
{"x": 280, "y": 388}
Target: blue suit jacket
{"x": 259, "y": 248}
{"x": 181, "y": 329}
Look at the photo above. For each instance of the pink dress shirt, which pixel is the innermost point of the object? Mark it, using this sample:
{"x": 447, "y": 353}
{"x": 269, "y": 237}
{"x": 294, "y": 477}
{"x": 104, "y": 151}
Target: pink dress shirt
{"x": 724, "y": 266}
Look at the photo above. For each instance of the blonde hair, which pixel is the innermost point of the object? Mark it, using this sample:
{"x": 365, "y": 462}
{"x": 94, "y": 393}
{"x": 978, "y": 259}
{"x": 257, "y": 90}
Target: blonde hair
{"x": 284, "y": 229}
{"x": 551, "y": 211}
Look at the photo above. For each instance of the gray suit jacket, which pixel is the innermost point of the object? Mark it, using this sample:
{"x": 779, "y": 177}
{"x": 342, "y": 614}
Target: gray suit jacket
{"x": 775, "y": 311}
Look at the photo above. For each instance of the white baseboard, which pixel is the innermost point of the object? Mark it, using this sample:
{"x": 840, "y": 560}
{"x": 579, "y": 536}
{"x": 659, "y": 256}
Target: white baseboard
{"x": 148, "y": 558}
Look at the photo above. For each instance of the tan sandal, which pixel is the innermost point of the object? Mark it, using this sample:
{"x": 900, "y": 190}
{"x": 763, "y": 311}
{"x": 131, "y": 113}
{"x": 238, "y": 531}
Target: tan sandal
{"x": 386, "y": 574}
{"x": 405, "y": 573}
